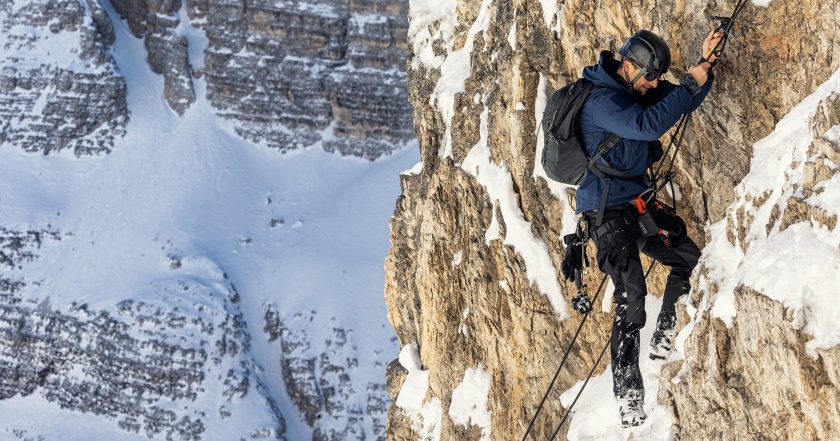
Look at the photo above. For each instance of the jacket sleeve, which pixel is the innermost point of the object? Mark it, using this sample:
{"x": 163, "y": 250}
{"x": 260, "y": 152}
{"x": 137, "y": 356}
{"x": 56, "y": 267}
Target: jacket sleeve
{"x": 629, "y": 120}
{"x": 703, "y": 92}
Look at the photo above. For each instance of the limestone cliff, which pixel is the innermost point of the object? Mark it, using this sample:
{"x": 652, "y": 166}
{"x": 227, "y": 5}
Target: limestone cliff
{"x": 286, "y": 73}
{"x": 59, "y": 86}
{"x": 761, "y": 350}
{"x": 473, "y": 269}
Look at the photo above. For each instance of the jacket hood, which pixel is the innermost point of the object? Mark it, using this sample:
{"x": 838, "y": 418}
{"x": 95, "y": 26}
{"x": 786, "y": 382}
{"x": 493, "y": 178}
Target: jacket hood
{"x": 601, "y": 74}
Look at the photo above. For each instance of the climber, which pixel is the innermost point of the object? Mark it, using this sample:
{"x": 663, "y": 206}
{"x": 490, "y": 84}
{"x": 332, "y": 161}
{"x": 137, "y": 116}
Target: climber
{"x": 634, "y": 102}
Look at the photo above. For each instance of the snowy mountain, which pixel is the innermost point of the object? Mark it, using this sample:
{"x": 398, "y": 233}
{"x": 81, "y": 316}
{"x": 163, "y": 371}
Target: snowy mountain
{"x": 164, "y": 277}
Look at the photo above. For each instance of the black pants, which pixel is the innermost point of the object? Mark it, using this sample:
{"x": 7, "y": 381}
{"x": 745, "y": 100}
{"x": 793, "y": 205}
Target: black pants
{"x": 618, "y": 256}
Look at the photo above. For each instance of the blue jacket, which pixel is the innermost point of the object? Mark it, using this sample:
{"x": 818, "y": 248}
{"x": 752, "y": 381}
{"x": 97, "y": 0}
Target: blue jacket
{"x": 637, "y": 119}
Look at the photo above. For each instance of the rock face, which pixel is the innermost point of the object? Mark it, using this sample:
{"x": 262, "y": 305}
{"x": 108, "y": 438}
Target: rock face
{"x": 156, "y": 22}
{"x": 288, "y": 74}
{"x": 59, "y": 88}
{"x": 319, "y": 383}
{"x": 476, "y": 232}
{"x": 291, "y": 73}
{"x": 185, "y": 342}
{"x": 767, "y": 376}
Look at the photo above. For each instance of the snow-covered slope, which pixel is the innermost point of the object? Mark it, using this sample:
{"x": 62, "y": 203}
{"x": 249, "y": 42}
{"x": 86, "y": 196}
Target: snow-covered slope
{"x": 191, "y": 284}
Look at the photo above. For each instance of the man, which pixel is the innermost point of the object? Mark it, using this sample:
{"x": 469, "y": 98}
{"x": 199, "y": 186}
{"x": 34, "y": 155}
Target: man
{"x": 633, "y": 102}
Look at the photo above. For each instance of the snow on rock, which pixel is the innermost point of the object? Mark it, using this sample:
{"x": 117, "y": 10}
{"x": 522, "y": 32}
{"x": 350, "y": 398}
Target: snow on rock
{"x": 469, "y": 401}
{"x": 59, "y": 86}
{"x": 595, "y": 415}
{"x": 454, "y": 71}
{"x": 456, "y": 259}
{"x": 764, "y": 254}
{"x": 497, "y": 180}
{"x": 423, "y": 14}
{"x": 415, "y": 170}
{"x": 410, "y": 357}
{"x": 763, "y": 326}
{"x": 425, "y": 417}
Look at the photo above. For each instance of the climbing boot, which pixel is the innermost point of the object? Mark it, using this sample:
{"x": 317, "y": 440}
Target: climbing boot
{"x": 631, "y": 408}
{"x": 662, "y": 341}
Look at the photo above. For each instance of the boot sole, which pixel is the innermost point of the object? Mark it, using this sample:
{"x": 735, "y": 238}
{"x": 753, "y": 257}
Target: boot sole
{"x": 635, "y": 424}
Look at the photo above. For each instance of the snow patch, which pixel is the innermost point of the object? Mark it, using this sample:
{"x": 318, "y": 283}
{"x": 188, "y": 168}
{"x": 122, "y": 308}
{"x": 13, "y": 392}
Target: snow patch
{"x": 425, "y": 417}
{"x": 469, "y": 401}
{"x": 422, "y": 16}
{"x": 456, "y": 259}
{"x": 607, "y": 296}
{"x": 454, "y": 71}
{"x": 549, "y": 9}
{"x": 416, "y": 170}
{"x": 497, "y": 180}
{"x": 494, "y": 231}
{"x": 462, "y": 328}
{"x": 833, "y": 134}
{"x": 512, "y": 36}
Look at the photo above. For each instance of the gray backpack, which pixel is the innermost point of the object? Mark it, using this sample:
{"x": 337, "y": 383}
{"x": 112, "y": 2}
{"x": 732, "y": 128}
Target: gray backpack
{"x": 563, "y": 157}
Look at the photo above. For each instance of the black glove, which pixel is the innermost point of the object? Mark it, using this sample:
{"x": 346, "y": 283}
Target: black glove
{"x": 573, "y": 259}
{"x": 581, "y": 303}
{"x": 655, "y": 151}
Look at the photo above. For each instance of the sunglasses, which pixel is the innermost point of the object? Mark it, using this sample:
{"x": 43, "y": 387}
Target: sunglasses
{"x": 650, "y": 75}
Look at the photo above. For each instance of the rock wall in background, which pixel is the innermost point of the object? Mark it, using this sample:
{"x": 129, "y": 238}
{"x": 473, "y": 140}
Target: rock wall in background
{"x": 177, "y": 367}
{"x": 288, "y": 73}
{"x": 59, "y": 87}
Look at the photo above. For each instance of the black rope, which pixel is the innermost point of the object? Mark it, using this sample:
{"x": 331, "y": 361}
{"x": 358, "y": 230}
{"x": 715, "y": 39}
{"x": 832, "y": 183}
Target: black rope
{"x": 678, "y": 136}
{"x": 563, "y": 361}
{"x": 591, "y": 371}
{"x": 674, "y": 137}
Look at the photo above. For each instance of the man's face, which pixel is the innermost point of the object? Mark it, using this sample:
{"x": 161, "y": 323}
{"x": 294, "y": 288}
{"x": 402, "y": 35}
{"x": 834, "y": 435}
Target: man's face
{"x": 641, "y": 85}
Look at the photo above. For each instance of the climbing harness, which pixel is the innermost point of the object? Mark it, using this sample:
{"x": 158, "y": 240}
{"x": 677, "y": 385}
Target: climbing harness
{"x": 726, "y": 24}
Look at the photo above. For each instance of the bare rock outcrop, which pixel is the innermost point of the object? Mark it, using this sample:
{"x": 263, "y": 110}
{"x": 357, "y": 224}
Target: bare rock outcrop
{"x": 292, "y": 73}
{"x": 764, "y": 374}
{"x": 288, "y": 74}
{"x": 59, "y": 87}
{"x": 318, "y": 376}
{"x": 476, "y": 232}
{"x": 174, "y": 362}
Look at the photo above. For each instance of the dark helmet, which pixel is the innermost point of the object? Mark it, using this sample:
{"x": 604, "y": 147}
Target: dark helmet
{"x": 648, "y": 51}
